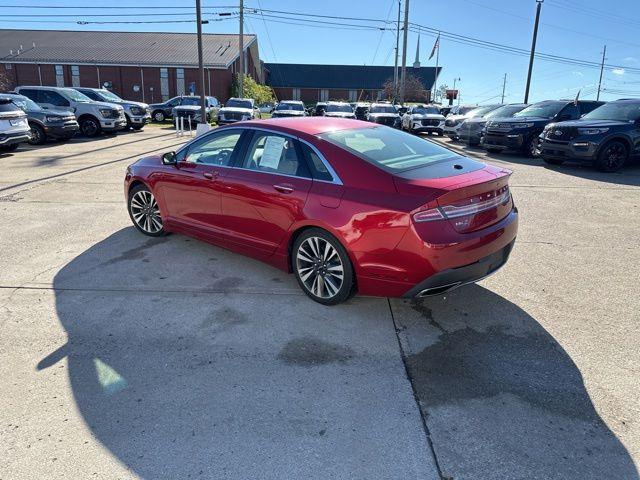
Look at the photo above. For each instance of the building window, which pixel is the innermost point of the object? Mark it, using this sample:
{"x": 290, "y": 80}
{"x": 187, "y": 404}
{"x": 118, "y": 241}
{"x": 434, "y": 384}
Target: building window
{"x": 164, "y": 84}
{"x": 8, "y": 66}
{"x": 295, "y": 94}
{"x": 180, "y": 81}
{"x": 75, "y": 76}
{"x": 324, "y": 95}
{"x": 59, "y": 76}
{"x": 353, "y": 95}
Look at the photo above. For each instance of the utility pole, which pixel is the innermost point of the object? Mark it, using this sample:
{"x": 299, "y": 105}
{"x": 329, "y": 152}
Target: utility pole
{"x": 454, "y": 89}
{"x": 504, "y": 85}
{"x": 604, "y": 52}
{"x": 203, "y": 109}
{"x": 395, "y": 67}
{"x": 241, "y": 58}
{"x": 404, "y": 51}
{"x": 533, "y": 50}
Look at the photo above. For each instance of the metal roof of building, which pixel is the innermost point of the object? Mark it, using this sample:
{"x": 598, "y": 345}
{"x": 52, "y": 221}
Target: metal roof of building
{"x": 118, "y": 48}
{"x": 340, "y": 76}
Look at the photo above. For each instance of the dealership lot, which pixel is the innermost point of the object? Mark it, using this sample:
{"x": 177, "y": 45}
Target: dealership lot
{"x": 124, "y": 356}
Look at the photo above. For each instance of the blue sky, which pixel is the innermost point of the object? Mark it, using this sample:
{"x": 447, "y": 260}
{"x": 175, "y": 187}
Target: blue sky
{"x": 569, "y": 28}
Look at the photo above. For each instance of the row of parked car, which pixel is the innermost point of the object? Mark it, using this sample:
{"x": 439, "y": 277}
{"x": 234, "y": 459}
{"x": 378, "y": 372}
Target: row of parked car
{"x": 602, "y": 134}
{"x": 36, "y": 114}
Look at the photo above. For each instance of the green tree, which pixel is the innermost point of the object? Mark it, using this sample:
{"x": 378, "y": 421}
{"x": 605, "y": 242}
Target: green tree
{"x": 252, "y": 89}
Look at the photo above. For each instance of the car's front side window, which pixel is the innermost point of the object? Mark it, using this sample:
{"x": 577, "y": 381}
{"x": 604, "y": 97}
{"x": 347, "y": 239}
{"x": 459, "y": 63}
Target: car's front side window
{"x": 216, "y": 149}
{"x": 273, "y": 153}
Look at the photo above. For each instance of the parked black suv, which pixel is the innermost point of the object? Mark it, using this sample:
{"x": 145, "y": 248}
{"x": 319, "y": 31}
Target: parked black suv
{"x": 605, "y": 137}
{"x": 521, "y": 132}
{"x": 45, "y": 124}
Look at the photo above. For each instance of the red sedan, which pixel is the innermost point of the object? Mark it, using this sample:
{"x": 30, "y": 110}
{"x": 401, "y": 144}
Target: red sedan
{"x": 345, "y": 205}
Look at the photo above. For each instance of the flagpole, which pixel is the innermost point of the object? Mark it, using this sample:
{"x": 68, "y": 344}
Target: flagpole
{"x": 435, "y": 81}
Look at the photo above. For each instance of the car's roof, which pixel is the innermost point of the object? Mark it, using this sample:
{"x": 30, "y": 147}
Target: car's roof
{"x": 309, "y": 125}
{"x": 291, "y": 101}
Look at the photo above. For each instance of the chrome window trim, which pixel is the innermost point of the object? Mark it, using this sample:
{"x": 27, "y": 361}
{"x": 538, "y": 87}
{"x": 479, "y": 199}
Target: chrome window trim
{"x": 336, "y": 179}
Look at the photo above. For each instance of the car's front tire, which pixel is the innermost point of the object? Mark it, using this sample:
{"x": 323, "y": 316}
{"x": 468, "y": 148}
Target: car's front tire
{"x": 322, "y": 267}
{"x": 159, "y": 116}
{"x": 612, "y": 156}
{"x": 38, "y": 136}
{"x": 144, "y": 211}
{"x": 90, "y": 127}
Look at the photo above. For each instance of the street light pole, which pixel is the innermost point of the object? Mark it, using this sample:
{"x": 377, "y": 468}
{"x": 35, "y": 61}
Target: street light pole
{"x": 604, "y": 52}
{"x": 404, "y": 51}
{"x": 504, "y": 85}
{"x": 241, "y": 58}
{"x": 533, "y": 50}
{"x": 395, "y": 67}
{"x": 203, "y": 108}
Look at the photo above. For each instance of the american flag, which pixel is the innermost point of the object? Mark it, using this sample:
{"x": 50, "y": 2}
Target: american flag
{"x": 435, "y": 47}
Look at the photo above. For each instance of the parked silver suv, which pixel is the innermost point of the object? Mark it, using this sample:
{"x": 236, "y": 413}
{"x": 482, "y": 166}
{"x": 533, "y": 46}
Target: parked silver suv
{"x": 93, "y": 117}
{"x": 136, "y": 113}
{"x": 14, "y": 127}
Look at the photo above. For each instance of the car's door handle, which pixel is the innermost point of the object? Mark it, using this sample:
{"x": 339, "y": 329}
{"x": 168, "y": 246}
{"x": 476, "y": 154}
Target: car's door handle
{"x": 283, "y": 188}
{"x": 210, "y": 175}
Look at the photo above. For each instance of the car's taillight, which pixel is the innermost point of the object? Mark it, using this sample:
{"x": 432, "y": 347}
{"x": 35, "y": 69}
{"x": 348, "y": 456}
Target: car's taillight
{"x": 467, "y": 208}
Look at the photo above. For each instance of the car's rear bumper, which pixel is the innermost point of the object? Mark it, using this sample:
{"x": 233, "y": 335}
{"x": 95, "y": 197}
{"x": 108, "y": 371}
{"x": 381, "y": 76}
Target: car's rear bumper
{"x": 448, "y": 259}
{"x": 12, "y": 138}
{"x": 455, "y": 277}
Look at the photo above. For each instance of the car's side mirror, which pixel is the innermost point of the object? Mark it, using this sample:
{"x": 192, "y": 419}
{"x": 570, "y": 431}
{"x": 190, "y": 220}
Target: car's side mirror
{"x": 169, "y": 158}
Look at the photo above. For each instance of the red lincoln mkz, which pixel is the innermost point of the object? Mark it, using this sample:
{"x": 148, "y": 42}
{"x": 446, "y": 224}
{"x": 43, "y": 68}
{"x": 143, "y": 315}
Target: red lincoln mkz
{"x": 345, "y": 205}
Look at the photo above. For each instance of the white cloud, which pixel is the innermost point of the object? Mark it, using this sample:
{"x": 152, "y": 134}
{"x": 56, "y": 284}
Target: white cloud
{"x": 618, "y": 71}
{"x": 630, "y": 59}
{"x": 578, "y": 74}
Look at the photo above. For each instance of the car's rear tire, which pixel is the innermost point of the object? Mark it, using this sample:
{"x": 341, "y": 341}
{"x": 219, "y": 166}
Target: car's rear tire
{"x": 38, "y": 136}
{"x": 612, "y": 156}
{"x": 159, "y": 116}
{"x": 90, "y": 127}
{"x": 322, "y": 267}
{"x": 144, "y": 211}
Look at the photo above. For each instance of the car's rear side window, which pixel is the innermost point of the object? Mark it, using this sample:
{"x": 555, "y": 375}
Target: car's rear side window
{"x": 389, "y": 148}
{"x": 319, "y": 170}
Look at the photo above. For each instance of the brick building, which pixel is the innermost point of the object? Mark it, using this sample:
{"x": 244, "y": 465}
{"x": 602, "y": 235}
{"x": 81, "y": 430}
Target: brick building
{"x": 314, "y": 83}
{"x": 142, "y": 66}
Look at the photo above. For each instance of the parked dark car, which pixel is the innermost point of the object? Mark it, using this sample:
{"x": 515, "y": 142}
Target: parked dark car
{"x": 136, "y": 113}
{"x": 320, "y": 110}
{"x": 605, "y": 137}
{"x": 361, "y": 110}
{"x": 289, "y": 108}
{"x": 45, "y": 124}
{"x": 163, "y": 111}
{"x": 384, "y": 114}
{"x": 521, "y": 132}
{"x": 471, "y": 130}
{"x": 190, "y": 109}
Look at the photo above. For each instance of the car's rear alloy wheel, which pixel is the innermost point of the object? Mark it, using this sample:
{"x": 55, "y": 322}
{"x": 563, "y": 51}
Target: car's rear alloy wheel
{"x": 144, "y": 211}
{"x": 322, "y": 267}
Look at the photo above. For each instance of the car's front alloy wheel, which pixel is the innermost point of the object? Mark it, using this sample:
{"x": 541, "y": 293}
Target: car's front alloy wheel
{"x": 322, "y": 267}
{"x": 144, "y": 211}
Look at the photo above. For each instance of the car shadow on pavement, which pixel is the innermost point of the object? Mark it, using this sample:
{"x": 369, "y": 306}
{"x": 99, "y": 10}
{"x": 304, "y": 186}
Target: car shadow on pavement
{"x": 188, "y": 361}
{"x": 501, "y": 397}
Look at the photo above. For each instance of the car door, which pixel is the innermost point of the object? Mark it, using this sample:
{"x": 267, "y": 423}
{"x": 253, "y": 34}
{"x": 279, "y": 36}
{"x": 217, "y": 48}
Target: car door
{"x": 191, "y": 190}
{"x": 266, "y": 194}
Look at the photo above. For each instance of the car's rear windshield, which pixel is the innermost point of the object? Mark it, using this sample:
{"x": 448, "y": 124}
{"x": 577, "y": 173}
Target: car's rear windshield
{"x": 388, "y": 148}
{"x": 239, "y": 104}
{"x": 542, "y": 110}
{"x": 620, "y": 111}
{"x": 336, "y": 107}
{"x": 6, "y": 105}
{"x": 383, "y": 109}
{"x": 290, "y": 106}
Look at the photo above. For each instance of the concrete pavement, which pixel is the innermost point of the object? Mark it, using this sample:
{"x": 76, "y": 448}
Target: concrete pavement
{"x": 129, "y": 357}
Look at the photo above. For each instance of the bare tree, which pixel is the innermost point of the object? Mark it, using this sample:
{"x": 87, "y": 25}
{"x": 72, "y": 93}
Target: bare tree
{"x": 414, "y": 89}
{"x": 4, "y": 82}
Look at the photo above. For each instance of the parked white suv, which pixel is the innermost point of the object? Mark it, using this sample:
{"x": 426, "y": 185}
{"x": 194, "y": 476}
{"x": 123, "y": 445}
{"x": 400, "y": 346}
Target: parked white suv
{"x": 93, "y": 117}
{"x": 14, "y": 126}
{"x": 238, "y": 109}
